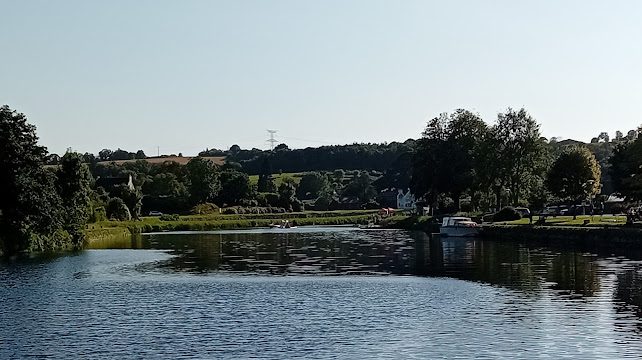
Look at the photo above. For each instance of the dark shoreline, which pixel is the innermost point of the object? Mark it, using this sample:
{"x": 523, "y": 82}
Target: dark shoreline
{"x": 597, "y": 237}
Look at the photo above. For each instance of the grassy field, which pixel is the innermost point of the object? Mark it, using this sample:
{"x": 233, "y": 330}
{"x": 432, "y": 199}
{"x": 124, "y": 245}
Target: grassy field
{"x": 218, "y": 160}
{"x": 595, "y": 220}
{"x": 106, "y": 229}
{"x": 278, "y": 178}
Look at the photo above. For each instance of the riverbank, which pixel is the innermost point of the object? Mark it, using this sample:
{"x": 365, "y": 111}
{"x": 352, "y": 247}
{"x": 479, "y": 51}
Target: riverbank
{"x": 411, "y": 223}
{"x": 593, "y": 231}
{"x": 595, "y": 236}
{"x": 116, "y": 229}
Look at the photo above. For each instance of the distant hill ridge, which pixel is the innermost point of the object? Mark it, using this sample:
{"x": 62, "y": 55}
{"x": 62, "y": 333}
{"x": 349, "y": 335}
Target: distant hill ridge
{"x": 218, "y": 160}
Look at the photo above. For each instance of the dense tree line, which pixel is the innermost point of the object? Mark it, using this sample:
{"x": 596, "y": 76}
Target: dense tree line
{"x": 325, "y": 158}
{"x": 40, "y": 209}
{"x": 460, "y": 161}
{"x": 508, "y": 163}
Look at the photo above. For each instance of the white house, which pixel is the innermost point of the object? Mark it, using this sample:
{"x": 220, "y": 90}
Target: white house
{"x": 406, "y": 201}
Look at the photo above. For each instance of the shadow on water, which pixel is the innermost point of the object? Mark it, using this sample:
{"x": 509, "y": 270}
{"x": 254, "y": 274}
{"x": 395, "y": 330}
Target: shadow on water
{"x": 564, "y": 271}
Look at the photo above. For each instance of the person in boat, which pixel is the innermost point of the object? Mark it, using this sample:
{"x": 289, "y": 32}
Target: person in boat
{"x": 285, "y": 224}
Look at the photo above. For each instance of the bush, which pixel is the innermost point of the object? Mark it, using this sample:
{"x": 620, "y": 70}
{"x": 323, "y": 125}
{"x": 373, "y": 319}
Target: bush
{"x": 507, "y": 214}
{"x": 298, "y": 206}
{"x": 230, "y": 211}
{"x": 249, "y": 203}
{"x": 205, "y": 209}
{"x": 322, "y": 204}
{"x": 167, "y": 217}
{"x": 117, "y": 210}
{"x": 371, "y": 205}
{"x": 618, "y": 209}
{"x": 267, "y": 199}
{"x": 99, "y": 214}
{"x": 465, "y": 206}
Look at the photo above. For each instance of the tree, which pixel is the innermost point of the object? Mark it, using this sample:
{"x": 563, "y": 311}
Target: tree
{"x": 29, "y": 204}
{"x": 281, "y": 147}
{"x": 632, "y": 135}
{"x": 287, "y": 191}
{"x": 265, "y": 183}
{"x": 133, "y": 198}
{"x": 121, "y": 155}
{"x": 203, "y": 180}
{"x": 117, "y": 210}
{"x": 619, "y": 136}
{"x": 626, "y": 169}
{"x": 361, "y": 187}
{"x": 52, "y": 159}
{"x": 74, "y": 186}
{"x": 89, "y": 158}
{"x": 575, "y": 175}
{"x": 165, "y": 184}
{"x": 140, "y": 154}
{"x": 234, "y": 149}
{"x": 105, "y": 154}
{"x": 235, "y": 186}
{"x": 311, "y": 185}
{"x": 518, "y": 150}
{"x": 446, "y": 157}
{"x": 337, "y": 176}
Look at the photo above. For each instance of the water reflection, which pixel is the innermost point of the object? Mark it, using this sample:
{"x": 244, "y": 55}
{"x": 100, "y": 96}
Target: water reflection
{"x": 345, "y": 252}
{"x": 569, "y": 273}
{"x": 191, "y": 298}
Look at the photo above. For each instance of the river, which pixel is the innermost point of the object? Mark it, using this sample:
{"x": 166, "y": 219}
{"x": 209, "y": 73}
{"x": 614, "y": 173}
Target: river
{"x": 322, "y": 293}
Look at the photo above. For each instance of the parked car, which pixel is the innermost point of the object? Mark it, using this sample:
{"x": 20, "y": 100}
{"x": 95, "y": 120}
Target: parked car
{"x": 155, "y": 213}
{"x": 523, "y": 212}
{"x": 554, "y": 211}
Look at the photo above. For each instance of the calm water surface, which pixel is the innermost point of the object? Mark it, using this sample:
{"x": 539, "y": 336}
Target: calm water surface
{"x": 321, "y": 293}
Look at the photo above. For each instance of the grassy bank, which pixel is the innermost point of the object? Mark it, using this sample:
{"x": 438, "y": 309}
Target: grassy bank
{"x": 110, "y": 229}
{"x": 415, "y": 223}
{"x": 581, "y": 220}
{"x": 591, "y": 236}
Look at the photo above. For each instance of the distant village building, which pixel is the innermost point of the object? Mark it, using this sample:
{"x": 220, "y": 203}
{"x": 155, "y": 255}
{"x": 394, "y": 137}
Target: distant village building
{"x": 406, "y": 201}
{"x": 110, "y": 182}
{"x": 397, "y": 199}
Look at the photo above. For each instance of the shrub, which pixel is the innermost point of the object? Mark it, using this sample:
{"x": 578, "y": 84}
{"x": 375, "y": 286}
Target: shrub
{"x": 298, "y": 206}
{"x": 167, "y": 217}
{"x": 618, "y": 209}
{"x": 99, "y": 214}
{"x": 322, "y": 203}
{"x": 117, "y": 210}
{"x": 205, "y": 209}
{"x": 372, "y": 204}
{"x": 267, "y": 199}
{"x": 507, "y": 214}
{"x": 465, "y": 205}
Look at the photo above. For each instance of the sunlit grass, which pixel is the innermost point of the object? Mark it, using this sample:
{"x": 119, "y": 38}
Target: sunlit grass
{"x": 278, "y": 178}
{"x": 595, "y": 220}
{"x": 238, "y": 221}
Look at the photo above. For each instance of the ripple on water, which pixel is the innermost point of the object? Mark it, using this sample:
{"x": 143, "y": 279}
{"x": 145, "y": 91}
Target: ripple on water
{"x": 138, "y": 304}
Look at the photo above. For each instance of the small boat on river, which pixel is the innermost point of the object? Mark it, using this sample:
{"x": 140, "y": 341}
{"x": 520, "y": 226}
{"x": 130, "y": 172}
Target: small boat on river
{"x": 459, "y": 226}
{"x": 285, "y": 224}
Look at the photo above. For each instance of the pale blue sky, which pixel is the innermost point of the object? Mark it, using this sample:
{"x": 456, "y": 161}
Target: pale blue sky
{"x": 186, "y": 75}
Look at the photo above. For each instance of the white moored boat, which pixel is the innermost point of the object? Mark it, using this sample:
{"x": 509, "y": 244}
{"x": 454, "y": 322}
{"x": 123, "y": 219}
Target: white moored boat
{"x": 459, "y": 226}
